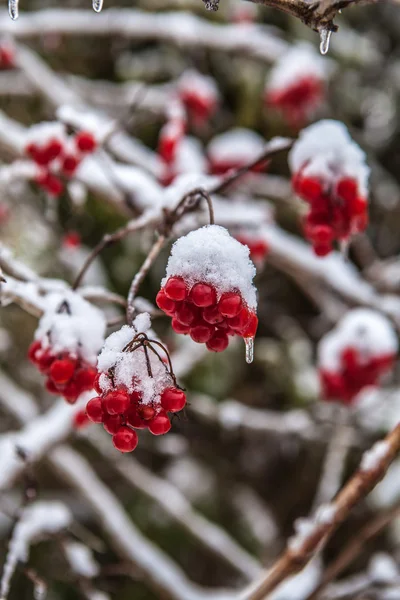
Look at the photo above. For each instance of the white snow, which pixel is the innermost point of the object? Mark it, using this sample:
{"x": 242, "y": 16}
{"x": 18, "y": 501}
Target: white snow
{"x": 305, "y": 527}
{"x": 382, "y": 568}
{"x": 325, "y": 149}
{"x": 212, "y": 256}
{"x": 300, "y": 586}
{"x": 190, "y": 157}
{"x": 41, "y": 133}
{"x": 81, "y": 333}
{"x": 130, "y": 369}
{"x": 301, "y": 60}
{"x": 372, "y": 458}
{"x": 203, "y": 86}
{"x": 364, "y": 329}
{"x": 236, "y": 145}
{"x": 80, "y": 557}
{"x": 41, "y": 518}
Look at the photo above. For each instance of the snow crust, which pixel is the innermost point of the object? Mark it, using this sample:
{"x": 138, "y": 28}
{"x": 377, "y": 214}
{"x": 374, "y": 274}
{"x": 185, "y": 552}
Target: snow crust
{"x": 301, "y": 60}
{"x": 373, "y": 457}
{"x": 80, "y": 332}
{"x": 305, "y": 527}
{"x": 130, "y": 369}
{"x": 325, "y": 149}
{"x": 80, "y": 557}
{"x": 43, "y": 132}
{"x": 364, "y": 329}
{"x": 236, "y": 145}
{"x": 203, "y": 86}
{"x": 212, "y": 256}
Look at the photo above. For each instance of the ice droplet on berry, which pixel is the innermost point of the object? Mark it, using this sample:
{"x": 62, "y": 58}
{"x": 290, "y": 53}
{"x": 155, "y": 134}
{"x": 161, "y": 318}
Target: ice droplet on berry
{"x": 249, "y": 343}
{"x": 325, "y": 37}
{"x": 97, "y": 5}
{"x": 13, "y": 9}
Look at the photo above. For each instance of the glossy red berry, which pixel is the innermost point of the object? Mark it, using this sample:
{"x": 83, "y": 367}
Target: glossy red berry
{"x": 53, "y": 149}
{"x": 61, "y": 371}
{"x": 71, "y": 392}
{"x": 251, "y": 327}
{"x": 175, "y": 289}
{"x": 85, "y": 141}
{"x": 239, "y": 323}
{"x": 116, "y": 402}
{"x": 212, "y": 315}
{"x": 230, "y": 304}
{"x": 160, "y": 424}
{"x": 85, "y": 378}
{"x": 112, "y": 423}
{"x": 81, "y": 419}
{"x": 201, "y": 333}
{"x": 146, "y": 412}
{"x": 94, "y": 410}
{"x": 173, "y": 400}
{"x": 218, "y": 342}
{"x": 133, "y": 419}
{"x": 186, "y": 313}
{"x": 203, "y": 295}
{"x": 70, "y": 164}
{"x": 179, "y": 327}
{"x": 165, "y": 304}
{"x": 33, "y": 350}
{"x": 53, "y": 185}
{"x": 125, "y": 439}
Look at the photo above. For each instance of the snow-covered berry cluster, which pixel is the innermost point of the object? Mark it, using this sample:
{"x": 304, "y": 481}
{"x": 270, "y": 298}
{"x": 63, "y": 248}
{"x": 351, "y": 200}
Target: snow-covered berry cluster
{"x": 68, "y": 338}
{"x": 135, "y": 384}
{"x": 208, "y": 289}
{"x": 7, "y": 56}
{"x": 57, "y": 154}
{"x": 199, "y": 94}
{"x": 256, "y": 244}
{"x": 234, "y": 149}
{"x": 329, "y": 172}
{"x": 356, "y": 354}
{"x": 296, "y": 85}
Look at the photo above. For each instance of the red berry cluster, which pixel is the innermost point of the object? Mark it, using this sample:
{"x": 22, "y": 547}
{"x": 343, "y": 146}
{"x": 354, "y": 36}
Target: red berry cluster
{"x": 355, "y": 374}
{"x": 7, "y": 57}
{"x": 296, "y": 101}
{"x": 121, "y": 411}
{"x": 66, "y": 375}
{"x": 209, "y": 320}
{"x": 58, "y": 161}
{"x": 336, "y": 211}
{"x": 71, "y": 240}
{"x": 257, "y": 246}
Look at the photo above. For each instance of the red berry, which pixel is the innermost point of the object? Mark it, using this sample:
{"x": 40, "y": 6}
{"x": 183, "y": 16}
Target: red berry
{"x": 201, "y": 333}
{"x": 322, "y": 249}
{"x": 34, "y": 348}
{"x": 323, "y": 235}
{"x": 85, "y": 378}
{"x": 125, "y": 439}
{"x": 251, "y": 327}
{"x": 185, "y": 313}
{"x": 31, "y": 149}
{"x": 203, "y": 295}
{"x": 70, "y": 164}
{"x": 116, "y": 402}
{"x": 165, "y": 304}
{"x": 135, "y": 396}
{"x": 44, "y": 361}
{"x": 71, "y": 239}
{"x": 85, "y": 141}
{"x": 212, "y": 315}
{"x": 80, "y": 419}
{"x": 51, "y": 387}
{"x": 230, "y": 304}
{"x": 94, "y": 410}
{"x": 96, "y": 383}
{"x": 173, "y": 400}
{"x": 112, "y": 423}
{"x": 71, "y": 392}
{"x": 175, "y": 289}
{"x": 219, "y": 342}
{"x": 179, "y": 327}
{"x": 61, "y": 371}
{"x": 146, "y": 412}
{"x": 241, "y": 320}
{"x": 133, "y": 419}
{"x": 53, "y": 185}
{"x": 160, "y": 424}
{"x": 347, "y": 189}
{"x": 53, "y": 149}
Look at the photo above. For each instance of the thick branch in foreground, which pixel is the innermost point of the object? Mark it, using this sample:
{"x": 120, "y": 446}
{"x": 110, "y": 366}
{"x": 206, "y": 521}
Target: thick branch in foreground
{"x": 300, "y": 550}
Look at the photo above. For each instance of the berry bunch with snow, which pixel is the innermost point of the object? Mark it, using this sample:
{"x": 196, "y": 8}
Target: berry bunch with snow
{"x": 7, "y": 56}
{"x": 234, "y": 149}
{"x": 68, "y": 339}
{"x": 56, "y": 154}
{"x": 256, "y": 243}
{"x": 136, "y": 385}
{"x": 329, "y": 172}
{"x": 356, "y": 354}
{"x": 199, "y": 94}
{"x": 296, "y": 85}
{"x": 208, "y": 289}
{"x": 170, "y": 137}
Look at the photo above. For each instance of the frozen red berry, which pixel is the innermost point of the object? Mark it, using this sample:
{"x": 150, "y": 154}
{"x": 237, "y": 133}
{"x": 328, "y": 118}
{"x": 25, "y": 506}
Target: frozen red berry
{"x": 85, "y": 141}
{"x": 173, "y": 400}
{"x": 94, "y": 410}
{"x": 116, "y": 402}
{"x": 218, "y": 342}
{"x": 201, "y": 333}
{"x": 203, "y": 295}
{"x": 230, "y": 304}
{"x": 125, "y": 439}
{"x": 61, "y": 371}
{"x": 160, "y": 424}
{"x": 175, "y": 289}
{"x": 166, "y": 304}
{"x": 112, "y": 423}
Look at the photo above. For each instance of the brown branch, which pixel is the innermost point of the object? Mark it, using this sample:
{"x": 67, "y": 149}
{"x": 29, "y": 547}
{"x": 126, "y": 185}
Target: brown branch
{"x": 296, "y": 556}
{"x": 354, "y": 547}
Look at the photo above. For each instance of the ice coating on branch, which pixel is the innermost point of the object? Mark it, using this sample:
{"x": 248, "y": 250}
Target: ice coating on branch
{"x": 41, "y": 518}
{"x": 130, "y": 369}
{"x": 301, "y": 60}
{"x": 71, "y": 324}
{"x": 235, "y": 147}
{"x": 364, "y": 329}
{"x": 212, "y": 256}
{"x": 325, "y": 149}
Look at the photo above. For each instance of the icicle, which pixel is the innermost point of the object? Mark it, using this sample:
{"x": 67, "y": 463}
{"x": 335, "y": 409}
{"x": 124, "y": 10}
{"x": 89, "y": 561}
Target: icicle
{"x": 97, "y": 5}
{"x": 211, "y": 4}
{"x": 325, "y": 36}
{"x": 13, "y": 9}
{"x": 249, "y": 342}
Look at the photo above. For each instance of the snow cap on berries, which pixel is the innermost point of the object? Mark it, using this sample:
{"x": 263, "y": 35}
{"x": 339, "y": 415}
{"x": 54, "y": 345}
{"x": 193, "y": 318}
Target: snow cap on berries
{"x": 234, "y": 148}
{"x": 199, "y": 92}
{"x": 73, "y": 325}
{"x": 210, "y": 255}
{"x": 41, "y": 133}
{"x": 325, "y": 149}
{"x": 366, "y": 330}
{"x": 130, "y": 369}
